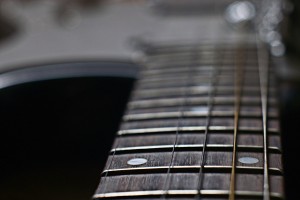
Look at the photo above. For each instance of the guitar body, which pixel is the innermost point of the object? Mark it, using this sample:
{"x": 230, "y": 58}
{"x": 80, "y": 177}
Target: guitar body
{"x": 51, "y": 124}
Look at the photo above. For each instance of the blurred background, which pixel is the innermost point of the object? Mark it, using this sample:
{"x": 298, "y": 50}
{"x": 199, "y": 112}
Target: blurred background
{"x": 58, "y": 123}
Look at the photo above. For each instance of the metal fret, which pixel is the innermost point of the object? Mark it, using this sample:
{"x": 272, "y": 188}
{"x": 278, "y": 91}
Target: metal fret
{"x": 163, "y": 50}
{"x": 178, "y": 62}
{"x": 171, "y": 48}
{"x": 171, "y": 91}
{"x": 193, "y": 147}
{"x": 218, "y": 110}
{"x": 192, "y": 129}
{"x": 192, "y": 90}
{"x": 170, "y": 86}
{"x": 199, "y": 71}
{"x": 223, "y": 77}
{"x": 192, "y": 114}
{"x": 189, "y": 121}
{"x": 245, "y": 123}
{"x": 166, "y": 102}
{"x": 190, "y": 169}
{"x": 195, "y": 85}
{"x": 198, "y": 80}
{"x": 186, "y": 193}
{"x": 187, "y": 138}
{"x": 205, "y": 68}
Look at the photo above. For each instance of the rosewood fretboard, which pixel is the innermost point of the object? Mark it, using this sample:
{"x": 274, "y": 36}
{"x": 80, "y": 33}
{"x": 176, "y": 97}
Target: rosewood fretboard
{"x": 202, "y": 123}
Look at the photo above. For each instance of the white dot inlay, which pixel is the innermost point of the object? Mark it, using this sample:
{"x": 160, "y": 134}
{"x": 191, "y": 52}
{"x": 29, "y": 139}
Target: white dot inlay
{"x": 137, "y": 161}
{"x": 248, "y": 160}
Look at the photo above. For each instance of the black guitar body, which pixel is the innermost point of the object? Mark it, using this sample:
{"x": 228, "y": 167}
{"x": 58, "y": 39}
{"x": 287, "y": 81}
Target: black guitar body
{"x": 57, "y": 129}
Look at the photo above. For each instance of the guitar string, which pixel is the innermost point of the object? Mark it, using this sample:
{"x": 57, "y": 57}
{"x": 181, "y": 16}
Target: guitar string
{"x": 210, "y": 101}
{"x": 166, "y": 184}
{"x": 239, "y": 59}
{"x": 263, "y": 63}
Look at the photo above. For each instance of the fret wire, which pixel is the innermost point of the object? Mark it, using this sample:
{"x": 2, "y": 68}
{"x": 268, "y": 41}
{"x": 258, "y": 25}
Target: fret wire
{"x": 181, "y": 108}
{"x": 205, "y": 141}
{"x": 196, "y": 89}
{"x": 170, "y": 102}
{"x": 240, "y": 57}
{"x": 191, "y": 169}
{"x": 192, "y": 114}
{"x": 193, "y": 147}
{"x": 180, "y": 69}
{"x": 161, "y": 48}
{"x": 193, "y": 129}
{"x": 183, "y": 193}
{"x": 262, "y": 56}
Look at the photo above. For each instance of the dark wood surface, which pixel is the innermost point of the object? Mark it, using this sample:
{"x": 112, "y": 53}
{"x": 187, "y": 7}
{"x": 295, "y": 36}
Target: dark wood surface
{"x": 181, "y": 118}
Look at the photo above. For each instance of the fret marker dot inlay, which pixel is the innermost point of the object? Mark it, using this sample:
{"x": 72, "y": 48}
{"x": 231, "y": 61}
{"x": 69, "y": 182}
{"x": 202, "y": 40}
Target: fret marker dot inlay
{"x": 137, "y": 161}
{"x": 248, "y": 160}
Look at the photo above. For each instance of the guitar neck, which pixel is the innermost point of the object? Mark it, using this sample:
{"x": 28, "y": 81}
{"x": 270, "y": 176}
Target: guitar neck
{"x": 202, "y": 122}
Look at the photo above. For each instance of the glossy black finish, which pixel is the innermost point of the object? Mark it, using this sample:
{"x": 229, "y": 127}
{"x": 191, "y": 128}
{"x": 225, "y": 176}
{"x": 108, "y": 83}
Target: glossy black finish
{"x": 56, "y": 134}
{"x": 290, "y": 112}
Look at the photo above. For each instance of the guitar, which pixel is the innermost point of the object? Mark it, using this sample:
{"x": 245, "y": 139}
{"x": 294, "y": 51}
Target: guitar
{"x": 202, "y": 121}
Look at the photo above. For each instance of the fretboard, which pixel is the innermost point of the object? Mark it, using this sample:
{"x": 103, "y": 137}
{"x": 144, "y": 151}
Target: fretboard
{"x": 202, "y": 123}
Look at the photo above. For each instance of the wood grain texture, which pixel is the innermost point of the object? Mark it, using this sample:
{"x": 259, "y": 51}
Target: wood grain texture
{"x": 180, "y": 89}
{"x": 183, "y": 181}
{"x": 195, "y": 138}
{"x": 192, "y": 158}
